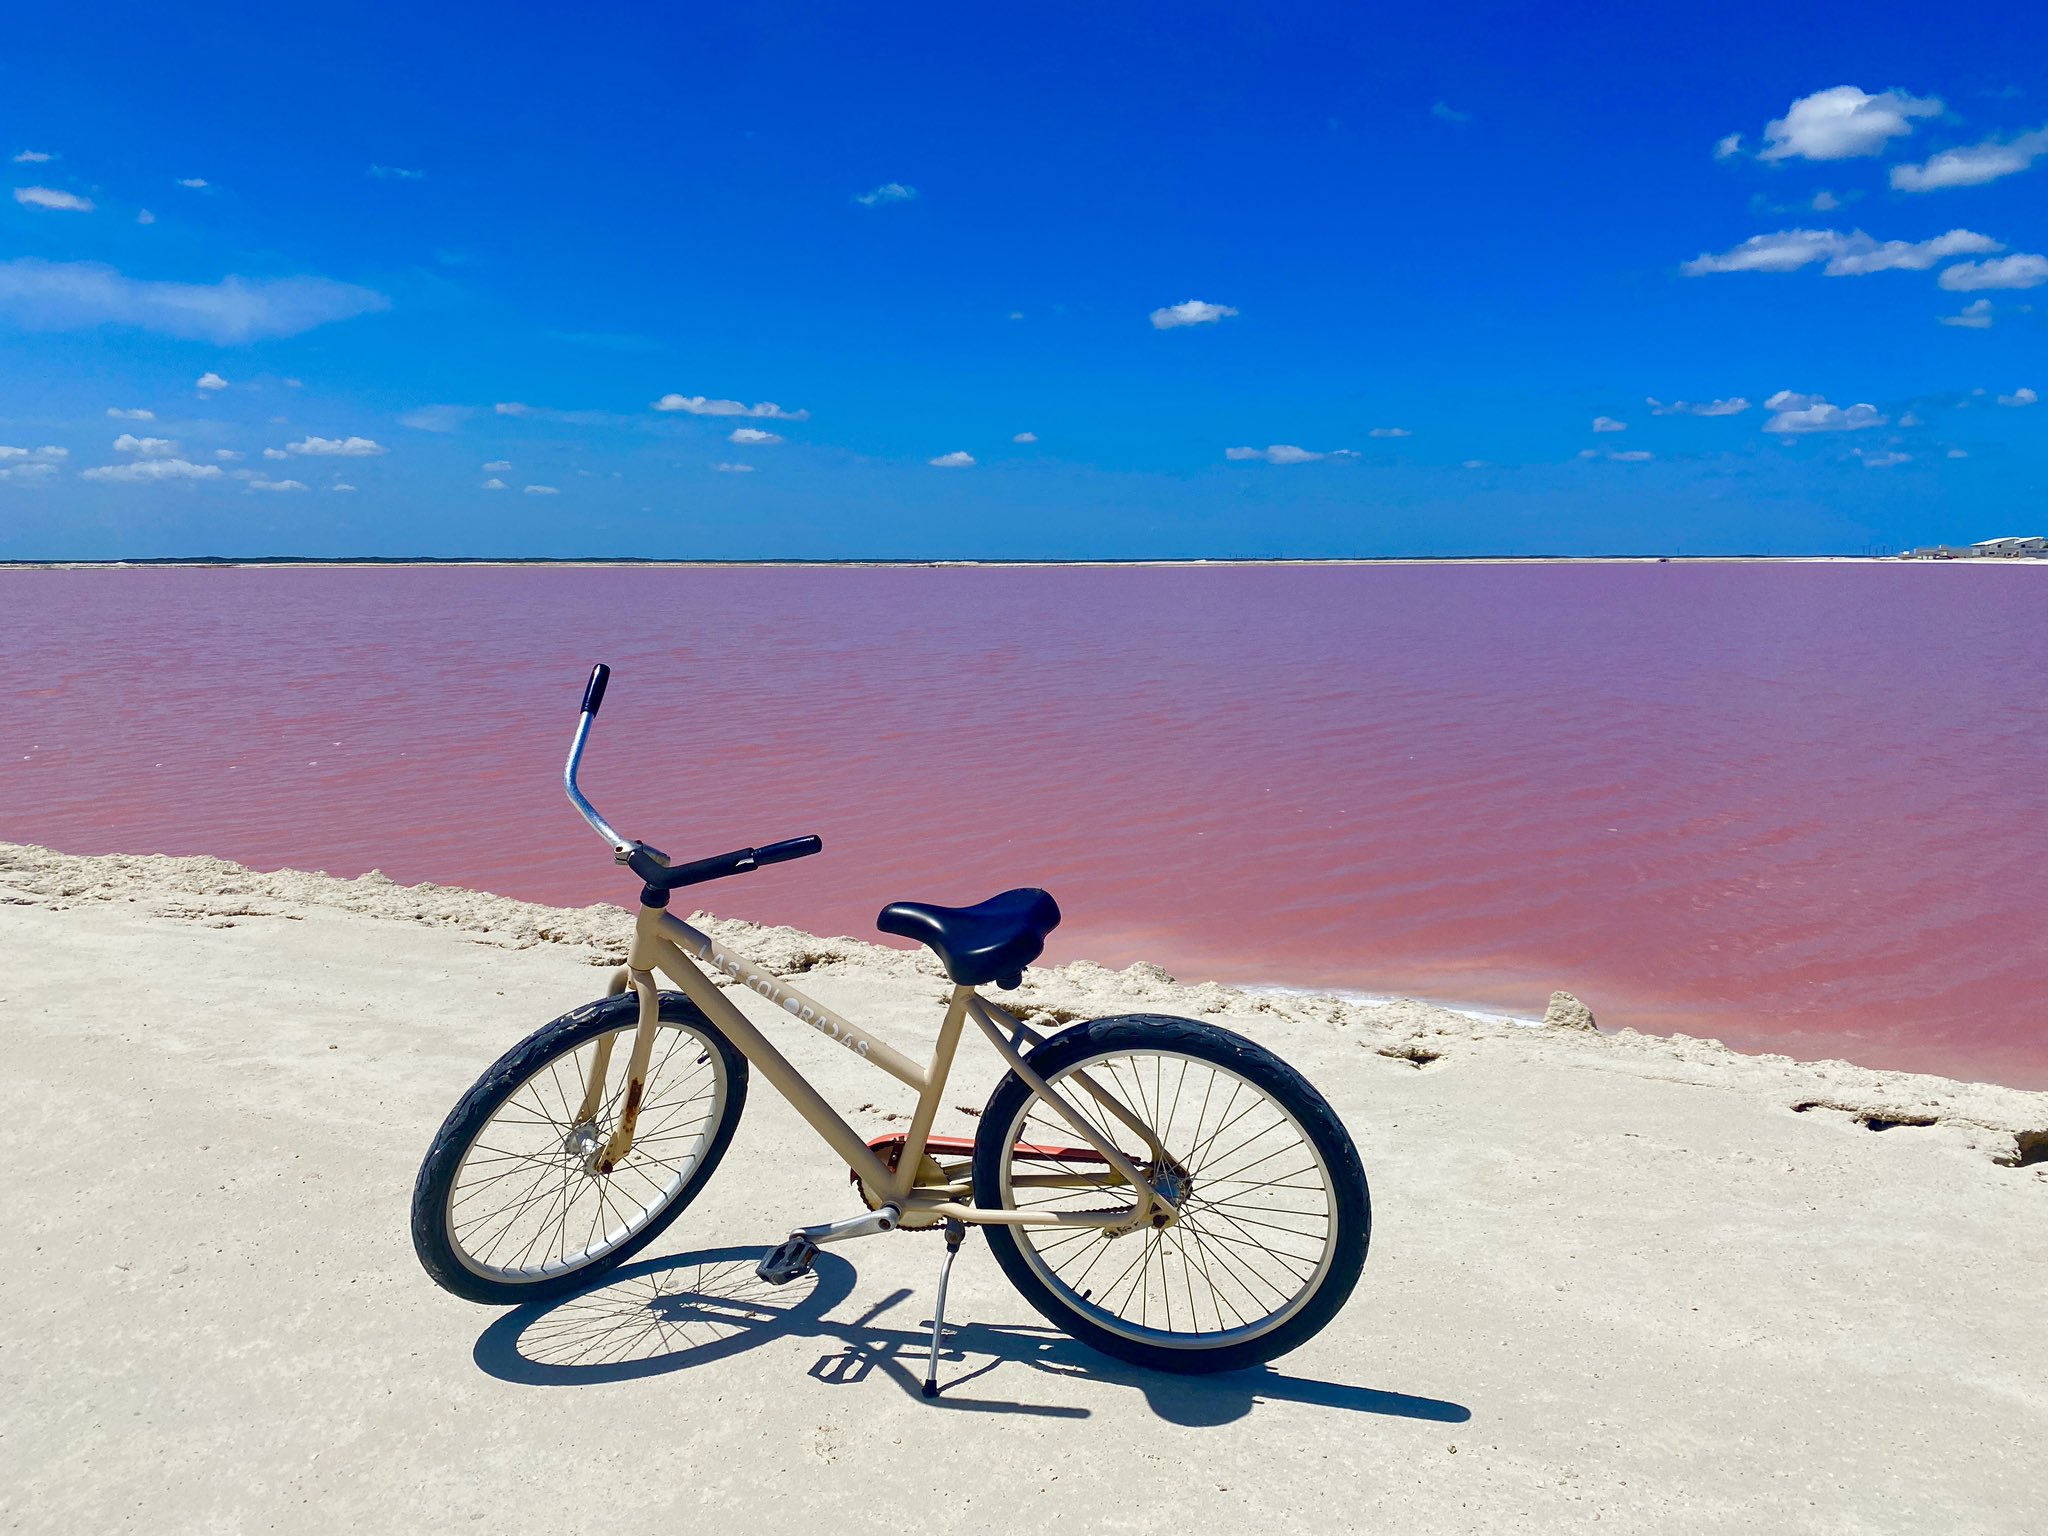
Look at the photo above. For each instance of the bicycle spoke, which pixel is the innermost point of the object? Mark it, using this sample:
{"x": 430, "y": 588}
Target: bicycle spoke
{"x": 1245, "y": 1242}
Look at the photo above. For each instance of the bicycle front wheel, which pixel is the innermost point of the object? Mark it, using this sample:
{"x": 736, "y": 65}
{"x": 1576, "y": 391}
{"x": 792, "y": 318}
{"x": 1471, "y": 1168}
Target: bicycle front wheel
{"x": 510, "y": 1206}
{"x": 1274, "y": 1213}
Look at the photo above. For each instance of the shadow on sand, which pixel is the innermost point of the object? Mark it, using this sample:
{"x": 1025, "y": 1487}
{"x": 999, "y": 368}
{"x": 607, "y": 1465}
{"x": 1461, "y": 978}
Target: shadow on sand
{"x": 669, "y": 1314}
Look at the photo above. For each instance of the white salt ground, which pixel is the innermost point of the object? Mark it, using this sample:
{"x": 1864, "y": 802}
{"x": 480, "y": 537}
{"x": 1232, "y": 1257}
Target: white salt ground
{"x": 1383, "y": 1000}
{"x": 1649, "y": 1283}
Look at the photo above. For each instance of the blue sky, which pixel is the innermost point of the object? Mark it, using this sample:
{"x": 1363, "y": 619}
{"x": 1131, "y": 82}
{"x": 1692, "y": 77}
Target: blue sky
{"x": 1206, "y": 262}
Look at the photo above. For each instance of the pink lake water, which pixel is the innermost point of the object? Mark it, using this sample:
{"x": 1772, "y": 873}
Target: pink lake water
{"x": 1796, "y": 807}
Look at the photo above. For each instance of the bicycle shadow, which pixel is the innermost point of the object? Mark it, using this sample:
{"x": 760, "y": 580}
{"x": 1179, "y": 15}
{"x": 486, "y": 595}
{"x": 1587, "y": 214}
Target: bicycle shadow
{"x": 669, "y": 1314}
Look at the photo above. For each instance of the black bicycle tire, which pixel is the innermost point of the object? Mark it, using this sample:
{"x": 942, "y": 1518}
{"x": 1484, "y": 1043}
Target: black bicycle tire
{"x": 1352, "y": 1196}
{"x": 430, "y": 1237}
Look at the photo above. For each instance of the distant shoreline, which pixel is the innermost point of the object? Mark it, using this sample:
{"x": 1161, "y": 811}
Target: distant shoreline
{"x": 379, "y": 562}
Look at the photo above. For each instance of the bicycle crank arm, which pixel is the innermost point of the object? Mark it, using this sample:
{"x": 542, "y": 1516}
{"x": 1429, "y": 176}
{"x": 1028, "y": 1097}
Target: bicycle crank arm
{"x": 792, "y": 1258}
{"x": 866, "y": 1224}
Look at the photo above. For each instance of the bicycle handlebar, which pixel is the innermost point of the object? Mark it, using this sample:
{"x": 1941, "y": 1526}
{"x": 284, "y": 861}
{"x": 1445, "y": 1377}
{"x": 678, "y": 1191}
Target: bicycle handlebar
{"x": 665, "y": 877}
{"x": 650, "y": 864}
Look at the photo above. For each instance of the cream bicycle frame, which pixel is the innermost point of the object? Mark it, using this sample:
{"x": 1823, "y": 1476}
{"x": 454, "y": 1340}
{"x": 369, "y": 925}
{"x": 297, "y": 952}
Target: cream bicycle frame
{"x": 666, "y": 944}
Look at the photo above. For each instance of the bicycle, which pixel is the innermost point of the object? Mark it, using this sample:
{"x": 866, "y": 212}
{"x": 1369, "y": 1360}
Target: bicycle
{"x": 1213, "y": 1196}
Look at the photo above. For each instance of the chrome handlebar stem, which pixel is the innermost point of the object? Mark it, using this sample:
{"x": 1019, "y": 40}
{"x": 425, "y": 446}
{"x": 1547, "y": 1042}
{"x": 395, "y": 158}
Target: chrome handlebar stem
{"x": 620, "y": 846}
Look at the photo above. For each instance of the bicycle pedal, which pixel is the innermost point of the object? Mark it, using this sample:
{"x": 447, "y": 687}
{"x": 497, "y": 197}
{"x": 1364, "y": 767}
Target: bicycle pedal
{"x": 789, "y": 1260}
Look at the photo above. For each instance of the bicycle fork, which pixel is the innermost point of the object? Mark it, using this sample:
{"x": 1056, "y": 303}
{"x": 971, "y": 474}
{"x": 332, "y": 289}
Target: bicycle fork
{"x": 614, "y": 1151}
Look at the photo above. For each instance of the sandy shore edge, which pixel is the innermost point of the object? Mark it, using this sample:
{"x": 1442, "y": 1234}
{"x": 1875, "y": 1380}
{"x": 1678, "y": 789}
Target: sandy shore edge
{"x": 2008, "y": 1126}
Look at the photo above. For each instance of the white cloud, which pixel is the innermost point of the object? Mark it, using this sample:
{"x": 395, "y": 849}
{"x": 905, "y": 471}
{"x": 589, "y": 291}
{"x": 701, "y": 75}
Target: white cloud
{"x": 51, "y": 197}
{"x": 887, "y": 192}
{"x": 153, "y": 469}
{"x": 260, "y": 484}
{"x": 1016, "y": 314}
{"x": 1852, "y": 255}
{"x": 227, "y": 455}
{"x": 437, "y": 418}
{"x": 2020, "y": 271}
{"x": 1192, "y": 312}
{"x": 1957, "y": 453}
{"x": 958, "y": 459}
{"x": 1973, "y": 165}
{"x": 1025, "y": 437}
{"x": 1278, "y": 453}
{"x": 1631, "y": 456}
{"x": 2020, "y": 396}
{"x": 336, "y": 447}
{"x": 1976, "y": 315}
{"x": 30, "y": 157}
{"x": 1390, "y": 432}
{"x": 118, "y": 414}
{"x": 26, "y": 474}
{"x": 497, "y": 465}
{"x": 294, "y": 383}
{"x": 147, "y": 447}
{"x": 1608, "y": 424}
{"x": 209, "y": 381}
{"x": 396, "y": 173}
{"x": 341, "y": 485}
{"x": 1857, "y": 260}
{"x": 542, "y": 490}
{"x": 52, "y": 296}
{"x": 752, "y": 435}
{"x": 1786, "y": 251}
{"x": 1883, "y": 458}
{"x": 1825, "y": 201}
{"x": 196, "y": 183}
{"x": 698, "y": 405}
{"x": 1735, "y": 405}
{"x": 512, "y": 408}
{"x": 144, "y": 216}
{"x": 1444, "y": 112}
{"x": 48, "y": 453}
{"x": 1729, "y": 147}
{"x": 1842, "y": 123}
{"x": 1476, "y": 464}
{"x": 1812, "y": 413}
{"x": 275, "y": 453}
{"x": 494, "y": 484}
{"x": 734, "y": 469}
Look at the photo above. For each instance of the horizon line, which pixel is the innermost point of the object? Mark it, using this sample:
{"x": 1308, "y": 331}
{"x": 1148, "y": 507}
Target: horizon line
{"x": 911, "y": 561}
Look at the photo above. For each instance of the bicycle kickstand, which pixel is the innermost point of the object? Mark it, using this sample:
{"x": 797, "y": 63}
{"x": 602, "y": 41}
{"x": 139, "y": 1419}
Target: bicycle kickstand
{"x": 955, "y": 1233}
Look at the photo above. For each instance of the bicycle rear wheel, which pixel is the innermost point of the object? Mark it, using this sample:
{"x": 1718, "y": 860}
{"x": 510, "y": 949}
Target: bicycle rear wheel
{"x": 1275, "y": 1215}
{"x": 509, "y": 1207}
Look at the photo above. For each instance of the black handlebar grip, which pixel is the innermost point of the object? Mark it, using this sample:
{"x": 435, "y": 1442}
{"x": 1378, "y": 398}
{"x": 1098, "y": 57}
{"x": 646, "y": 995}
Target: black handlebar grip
{"x": 789, "y": 848}
{"x": 593, "y": 691}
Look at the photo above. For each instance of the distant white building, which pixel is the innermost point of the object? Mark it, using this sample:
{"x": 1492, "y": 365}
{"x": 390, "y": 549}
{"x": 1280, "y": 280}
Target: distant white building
{"x": 2012, "y": 544}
